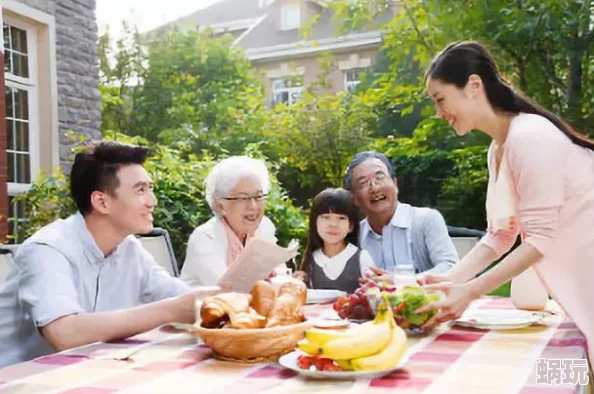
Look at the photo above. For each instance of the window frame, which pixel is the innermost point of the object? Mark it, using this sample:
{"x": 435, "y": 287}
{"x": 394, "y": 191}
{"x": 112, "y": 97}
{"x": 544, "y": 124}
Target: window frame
{"x": 351, "y": 86}
{"x": 30, "y": 85}
{"x": 290, "y": 90}
{"x": 287, "y": 8}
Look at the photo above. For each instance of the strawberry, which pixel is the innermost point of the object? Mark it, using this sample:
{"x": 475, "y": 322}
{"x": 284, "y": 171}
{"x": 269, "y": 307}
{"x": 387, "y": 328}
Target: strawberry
{"x": 304, "y": 362}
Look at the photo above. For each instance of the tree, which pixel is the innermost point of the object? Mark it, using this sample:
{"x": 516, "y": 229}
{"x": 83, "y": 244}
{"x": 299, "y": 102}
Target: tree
{"x": 548, "y": 44}
{"x": 316, "y": 138}
{"x": 121, "y": 65}
{"x": 544, "y": 47}
{"x": 181, "y": 88}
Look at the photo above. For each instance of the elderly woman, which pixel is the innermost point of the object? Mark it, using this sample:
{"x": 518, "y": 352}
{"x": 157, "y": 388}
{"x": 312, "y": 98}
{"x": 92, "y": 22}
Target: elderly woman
{"x": 236, "y": 191}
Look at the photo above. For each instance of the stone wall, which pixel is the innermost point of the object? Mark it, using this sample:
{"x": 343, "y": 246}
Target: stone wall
{"x": 79, "y": 100}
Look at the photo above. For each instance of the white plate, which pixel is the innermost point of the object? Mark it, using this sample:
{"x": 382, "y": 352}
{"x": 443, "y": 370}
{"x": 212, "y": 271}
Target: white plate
{"x": 290, "y": 361}
{"x": 499, "y": 319}
{"x": 320, "y": 296}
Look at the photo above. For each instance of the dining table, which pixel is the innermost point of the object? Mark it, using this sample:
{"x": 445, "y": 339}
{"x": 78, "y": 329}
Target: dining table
{"x": 544, "y": 358}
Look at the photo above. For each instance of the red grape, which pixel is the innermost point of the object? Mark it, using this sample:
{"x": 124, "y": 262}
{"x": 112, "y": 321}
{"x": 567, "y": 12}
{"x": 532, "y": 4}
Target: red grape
{"x": 354, "y": 299}
{"x": 359, "y": 312}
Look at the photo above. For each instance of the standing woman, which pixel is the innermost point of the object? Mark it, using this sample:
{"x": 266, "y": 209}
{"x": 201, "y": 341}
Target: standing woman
{"x": 541, "y": 186}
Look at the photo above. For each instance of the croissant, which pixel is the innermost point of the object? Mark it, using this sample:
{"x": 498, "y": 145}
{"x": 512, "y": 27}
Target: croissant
{"x": 249, "y": 319}
{"x": 231, "y": 307}
{"x": 218, "y": 307}
{"x": 288, "y": 306}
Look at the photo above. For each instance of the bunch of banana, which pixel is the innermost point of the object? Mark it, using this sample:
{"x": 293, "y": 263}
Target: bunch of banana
{"x": 375, "y": 345}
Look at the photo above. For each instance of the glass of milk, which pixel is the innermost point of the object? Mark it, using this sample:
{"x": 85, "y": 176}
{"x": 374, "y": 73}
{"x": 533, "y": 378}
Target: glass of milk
{"x": 404, "y": 275}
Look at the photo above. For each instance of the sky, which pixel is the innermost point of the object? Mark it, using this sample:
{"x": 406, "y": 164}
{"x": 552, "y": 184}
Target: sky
{"x": 146, "y": 14}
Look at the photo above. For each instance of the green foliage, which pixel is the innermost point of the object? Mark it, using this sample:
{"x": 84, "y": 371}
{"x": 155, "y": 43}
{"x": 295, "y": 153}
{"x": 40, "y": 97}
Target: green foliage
{"x": 462, "y": 194}
{"x": 316, "y": 138}
{"x": 454, "y": 181}
{"x": 544, "y": 47}
{"x": 47, "y": 200}
{"x": 185, "y": 88}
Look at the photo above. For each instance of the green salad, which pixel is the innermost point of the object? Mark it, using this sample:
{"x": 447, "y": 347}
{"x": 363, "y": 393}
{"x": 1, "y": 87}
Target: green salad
{"x": 405, "y": 301}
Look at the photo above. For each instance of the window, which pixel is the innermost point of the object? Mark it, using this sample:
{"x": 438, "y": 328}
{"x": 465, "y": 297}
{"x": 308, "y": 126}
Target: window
{"x": 21, "y": 131}
{"x": 291, "y": 17}
{"x": 17, "y": 215}
{"x": 352, "y": 78}
{"x": 286, "y": 91}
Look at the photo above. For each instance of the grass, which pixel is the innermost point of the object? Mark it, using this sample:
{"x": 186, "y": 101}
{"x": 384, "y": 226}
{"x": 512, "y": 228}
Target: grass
{"x": 502, "y": 291}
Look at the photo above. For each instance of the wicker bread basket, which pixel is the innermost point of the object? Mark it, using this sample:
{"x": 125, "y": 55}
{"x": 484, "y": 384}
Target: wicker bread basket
{"x": 252, "y": 345}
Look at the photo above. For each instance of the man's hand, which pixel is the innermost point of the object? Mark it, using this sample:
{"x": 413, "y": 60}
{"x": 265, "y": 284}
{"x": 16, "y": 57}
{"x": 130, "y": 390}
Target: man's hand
{"x": 81, "y": 329}
{"x": 186, "y": 305}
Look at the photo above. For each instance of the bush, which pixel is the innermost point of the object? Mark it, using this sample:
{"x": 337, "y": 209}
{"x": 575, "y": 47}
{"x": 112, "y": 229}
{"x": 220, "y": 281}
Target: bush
{"x": 315, "y": 140}
{"x": 179, "y": 179}
{"x": 438, "y": 171}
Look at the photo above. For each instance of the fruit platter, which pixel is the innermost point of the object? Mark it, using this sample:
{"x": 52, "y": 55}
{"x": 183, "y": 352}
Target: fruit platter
{"x": 366, "y": 350}
{"x": 404, "y": 301}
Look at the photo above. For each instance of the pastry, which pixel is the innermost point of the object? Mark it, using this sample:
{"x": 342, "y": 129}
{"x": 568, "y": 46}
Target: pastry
{"x": 288, "y": 305}
{"x": 250, "y": 319}
{"x": 263, "y": 296}
{"x": 221, "y": 306}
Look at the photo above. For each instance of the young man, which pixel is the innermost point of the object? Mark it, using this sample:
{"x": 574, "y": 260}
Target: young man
{"x": 395, "y": 233}
{"x": 87, "y": 278}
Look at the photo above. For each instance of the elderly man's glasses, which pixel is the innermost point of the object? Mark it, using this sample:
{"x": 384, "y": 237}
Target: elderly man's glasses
{"x": 378, "y": 178}
{"x": 247, "y": 199}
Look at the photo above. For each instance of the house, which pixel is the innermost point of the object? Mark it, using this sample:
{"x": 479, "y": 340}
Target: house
{"x": 49, "y": 89}
{"x": 271, "y": 32}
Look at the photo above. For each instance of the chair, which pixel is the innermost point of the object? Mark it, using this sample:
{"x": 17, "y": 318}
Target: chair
{"x": 463, "y": 245}
{"x": 465, "y": 232}
{"x": 464, "y": 238}
{"x": 158, "y": 244}
{"x": 6, "y": 264}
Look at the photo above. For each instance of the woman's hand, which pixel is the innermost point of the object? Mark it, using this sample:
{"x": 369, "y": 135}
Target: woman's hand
{"x": 377, "y": 275}
{"x": 430, "y": 279}
{"x": 457, "y": 299}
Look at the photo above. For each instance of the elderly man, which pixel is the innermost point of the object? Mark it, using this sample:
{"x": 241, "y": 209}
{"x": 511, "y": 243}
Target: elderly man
{"x": 394, "y": 233}
{"x": 86, "y": 278}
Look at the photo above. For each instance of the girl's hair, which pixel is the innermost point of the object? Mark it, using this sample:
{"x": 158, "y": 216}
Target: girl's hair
{"x": 338, "y": 201}
{"x": 459, "y": 60}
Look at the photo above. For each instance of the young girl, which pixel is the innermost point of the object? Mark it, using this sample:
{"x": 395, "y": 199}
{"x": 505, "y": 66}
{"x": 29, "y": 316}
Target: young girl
{"x": 333, "y": 259}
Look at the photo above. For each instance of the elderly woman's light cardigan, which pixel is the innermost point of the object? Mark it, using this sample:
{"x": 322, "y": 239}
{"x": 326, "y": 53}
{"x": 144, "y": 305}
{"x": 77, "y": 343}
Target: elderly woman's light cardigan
{"x": 206, "y": 254}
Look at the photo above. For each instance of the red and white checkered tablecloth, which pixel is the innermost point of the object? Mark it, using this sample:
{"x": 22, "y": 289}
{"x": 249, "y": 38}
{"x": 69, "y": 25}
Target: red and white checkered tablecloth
{"x": 450, "y": 360}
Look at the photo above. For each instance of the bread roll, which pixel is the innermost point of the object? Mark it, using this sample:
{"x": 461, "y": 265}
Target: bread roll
{"x": 263, "y": 296}
{"x": 288, "y": 305}
{"x": 295, "y": 287}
